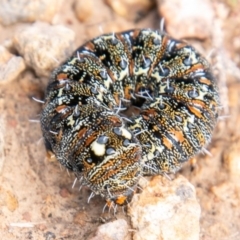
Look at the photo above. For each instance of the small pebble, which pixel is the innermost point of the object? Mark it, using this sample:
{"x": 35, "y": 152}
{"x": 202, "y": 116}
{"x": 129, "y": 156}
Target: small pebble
{"x": 116, "y": 230}
{"x": 83, "y": 9}
{"x": 187, "y": 18}
{"x": 44, "y": 47}
{"x": 10, "y": 66}
{"x": 132, "y": 10}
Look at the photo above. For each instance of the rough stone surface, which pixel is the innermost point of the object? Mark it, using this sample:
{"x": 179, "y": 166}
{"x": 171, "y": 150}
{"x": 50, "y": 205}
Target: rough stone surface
{"x": 28, "y": 11}
{"x": 133, "y": 9}
{"x": 51, "y": 45}
{"x": 187, "y": 18}
{"x": 116, "y": 230}
{"x": 10, "y": 66}
{"x": 166, "y": 210}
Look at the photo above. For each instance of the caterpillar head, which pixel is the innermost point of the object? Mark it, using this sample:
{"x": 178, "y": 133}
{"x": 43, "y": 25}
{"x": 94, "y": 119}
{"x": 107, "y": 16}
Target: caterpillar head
{"x": 113, "y": 167}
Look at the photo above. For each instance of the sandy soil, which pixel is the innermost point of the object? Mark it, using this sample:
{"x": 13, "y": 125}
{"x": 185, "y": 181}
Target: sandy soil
{"x": 36, "y": 191}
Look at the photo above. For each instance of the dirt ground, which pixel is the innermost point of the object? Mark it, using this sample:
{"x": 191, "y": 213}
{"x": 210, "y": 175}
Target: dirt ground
{"x": 37, "y": 200}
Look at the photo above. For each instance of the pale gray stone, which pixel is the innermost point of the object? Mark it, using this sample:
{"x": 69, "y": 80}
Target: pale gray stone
{"x": 116, "y": 230}
{"x": 10, "y": 66}
{"x": 166, "y": 210}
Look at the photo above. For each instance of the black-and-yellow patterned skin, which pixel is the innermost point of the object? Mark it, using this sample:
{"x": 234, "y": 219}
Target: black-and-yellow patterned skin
{"x": 83, "y": 121}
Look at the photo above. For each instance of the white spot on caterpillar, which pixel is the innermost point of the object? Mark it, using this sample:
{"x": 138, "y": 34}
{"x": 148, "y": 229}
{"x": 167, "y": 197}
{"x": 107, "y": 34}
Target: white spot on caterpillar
{"x": 98, "y": 149}
{"x": 126, "y": 133}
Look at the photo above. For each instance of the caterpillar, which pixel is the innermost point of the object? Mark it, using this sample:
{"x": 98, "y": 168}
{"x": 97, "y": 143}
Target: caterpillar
{"x": 127, "y": 105}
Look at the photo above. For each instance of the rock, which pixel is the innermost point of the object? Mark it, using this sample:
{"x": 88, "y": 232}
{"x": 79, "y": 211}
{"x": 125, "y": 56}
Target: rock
{"x": 93, "y": 13}
{"x": 187, "y": 18}
{"x": 116, "y": 230}
{"x": 166, "y": 210}
{"x": 119, "y": 25}
{"x": 28, "y": 11}
{"x": 132, "y": 10}
{"x": 221, "y": 10}
{"x": 10, "y": 66}
{"x": 83, "y": 9}
{"x": 44, "y": 47}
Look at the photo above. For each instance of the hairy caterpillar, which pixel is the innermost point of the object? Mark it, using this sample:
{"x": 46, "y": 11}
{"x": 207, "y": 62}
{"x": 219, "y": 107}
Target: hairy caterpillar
{"x": 165, "y": 84}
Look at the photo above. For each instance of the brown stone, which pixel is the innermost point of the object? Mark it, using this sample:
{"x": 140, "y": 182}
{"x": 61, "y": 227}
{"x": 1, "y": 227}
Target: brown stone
{"x": 44, "y": 47}
{"x": 133, "y": 9}
{"x": 83, "y": 9}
